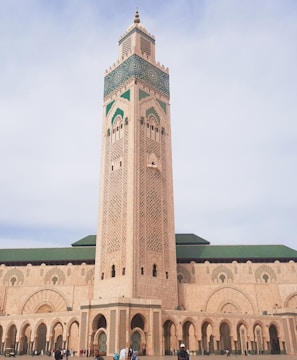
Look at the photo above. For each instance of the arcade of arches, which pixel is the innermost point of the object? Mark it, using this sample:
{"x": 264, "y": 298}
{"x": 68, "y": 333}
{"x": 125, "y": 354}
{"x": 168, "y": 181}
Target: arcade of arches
{"x": 204, "y": 338}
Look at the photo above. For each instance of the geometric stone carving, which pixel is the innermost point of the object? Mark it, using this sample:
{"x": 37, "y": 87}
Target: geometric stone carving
{"x": 13, "y": 277}
{"x": 183, "y": 275}
{"x": 44, "y": 299}
{"x": 223, "y": 300}
{"x": 265, "y": 274}
{"x": 54, "y": 276}
{"x": 222, "y": 274}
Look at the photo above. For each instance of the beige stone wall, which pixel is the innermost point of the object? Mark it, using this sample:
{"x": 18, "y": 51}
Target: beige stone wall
{"x": 251, "y": 288}
{"x": 32, "y": 289}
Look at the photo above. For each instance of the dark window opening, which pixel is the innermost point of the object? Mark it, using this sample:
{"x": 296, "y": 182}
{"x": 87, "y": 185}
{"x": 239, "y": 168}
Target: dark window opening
{"x": 142, "y": 271}
{"x": 102, "y": 276}
{"x": 113, "y": 273}
{"x": 155, "y": 270}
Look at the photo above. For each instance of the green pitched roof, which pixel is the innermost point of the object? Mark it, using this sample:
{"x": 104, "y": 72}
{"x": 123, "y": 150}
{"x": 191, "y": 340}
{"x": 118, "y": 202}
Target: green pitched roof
{"x": 240, "y": 253}
{"x": 89, "y": 240}
{"x": 55, "y": 256}
{"x": 189, "y": 247}
{"x": 190, "y": 239}
{"x": 182, "y": 239}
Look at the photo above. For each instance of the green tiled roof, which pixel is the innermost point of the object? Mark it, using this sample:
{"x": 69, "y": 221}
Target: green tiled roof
{"x": 54, "y": 256}
{"x": 221, "y": 253}
{"x": 190, "y": 239}
{"x": 182, "y": 239}
{"x": 89, "y": 240}
{"x": 189, "y": 247}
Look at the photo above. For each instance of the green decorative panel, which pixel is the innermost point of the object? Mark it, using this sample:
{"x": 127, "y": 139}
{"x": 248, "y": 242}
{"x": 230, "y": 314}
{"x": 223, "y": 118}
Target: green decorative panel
{"x": 108, "y": 107}
{"x": 117, "y": 112}
{"x": 142, "y": 94}
{"x": 163, "y": 105}
{"x": 136, "y": 67}
{"x": 126, "y": 95}
{"x": 152, "y": 111}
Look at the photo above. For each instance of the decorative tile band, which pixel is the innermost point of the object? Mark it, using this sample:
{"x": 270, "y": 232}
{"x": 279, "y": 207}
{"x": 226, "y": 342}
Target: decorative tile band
{"x": 138, "y": 68}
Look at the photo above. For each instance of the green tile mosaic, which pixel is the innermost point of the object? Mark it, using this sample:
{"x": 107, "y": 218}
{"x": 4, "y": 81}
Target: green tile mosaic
{"x": 163, "y": 105}
{"x": 142, "y": 94}
{"x": 137, "y": 68}
{"x": 117, "y": 112}
{"x": 126, "y": 95}
{"x": 152, "y": 111}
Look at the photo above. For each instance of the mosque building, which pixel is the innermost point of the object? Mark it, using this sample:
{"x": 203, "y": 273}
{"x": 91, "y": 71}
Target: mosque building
{"x": 137, "y": 283}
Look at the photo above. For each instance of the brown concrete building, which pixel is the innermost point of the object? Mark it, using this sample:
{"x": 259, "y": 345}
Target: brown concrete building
{"x": 136, "y": 282}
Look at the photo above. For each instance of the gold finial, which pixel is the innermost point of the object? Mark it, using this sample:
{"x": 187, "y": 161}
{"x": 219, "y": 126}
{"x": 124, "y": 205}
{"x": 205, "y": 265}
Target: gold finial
{"x": 136, "y": 19}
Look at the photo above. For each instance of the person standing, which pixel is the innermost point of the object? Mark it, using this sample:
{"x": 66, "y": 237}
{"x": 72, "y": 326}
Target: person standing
{"x": 182, "y": 353}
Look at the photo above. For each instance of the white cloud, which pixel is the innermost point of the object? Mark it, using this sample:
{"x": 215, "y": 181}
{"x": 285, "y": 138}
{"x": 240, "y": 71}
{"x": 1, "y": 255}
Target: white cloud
{"x": 233, "y": 106}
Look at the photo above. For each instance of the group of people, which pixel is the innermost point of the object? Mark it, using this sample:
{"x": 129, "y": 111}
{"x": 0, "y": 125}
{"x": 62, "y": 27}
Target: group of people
{"x": 59, "y": 354}
{"x": 131, "y": 354}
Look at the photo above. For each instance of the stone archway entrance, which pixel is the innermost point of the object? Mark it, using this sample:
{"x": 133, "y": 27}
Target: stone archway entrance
{"x": 24, "y": 347}
{"x": 11, "y": 337}
{"x": 273, "y": 340}
{"x": 225, "y": 339}
{"x": 41, "y": 339}
{"x": 189, "y": 336}
{"x": 170, "y": 341}
{"x": 207, "y": 339}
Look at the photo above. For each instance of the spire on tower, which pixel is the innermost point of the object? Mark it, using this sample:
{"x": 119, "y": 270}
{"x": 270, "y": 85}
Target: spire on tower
{"x": 136, "y": 18}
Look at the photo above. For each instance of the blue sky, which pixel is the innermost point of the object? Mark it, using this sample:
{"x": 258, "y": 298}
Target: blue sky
{"x": 233, "y": 82}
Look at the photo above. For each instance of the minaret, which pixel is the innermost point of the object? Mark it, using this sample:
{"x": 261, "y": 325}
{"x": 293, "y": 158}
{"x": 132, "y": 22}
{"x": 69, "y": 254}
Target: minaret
{"x": 135, "y": 250}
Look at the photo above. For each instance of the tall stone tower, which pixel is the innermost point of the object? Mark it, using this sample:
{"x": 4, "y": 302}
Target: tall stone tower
{"x": 136, "y": 250}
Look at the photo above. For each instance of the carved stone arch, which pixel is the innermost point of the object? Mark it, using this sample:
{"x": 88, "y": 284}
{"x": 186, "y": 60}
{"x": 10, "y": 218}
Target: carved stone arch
{"x": 183, "y": 274}
{"x": 227, "y": 294}
{"x": 229, "y": 306}
{"x": 47, "y": 298}
{"x": 207, "y": 335}
{"x": 11, "y": 334}
{"x": 171, "y": 319}
{"x": 226, "y": 332}
{"x": 189, "y": 333}
{"x": 258, "y": 335}
{"x": 265, "y": 273}
{"x": 244, "y": 323}
{"x": 100, "y": 340}
{"x": 138, "y": 321}
{"x": 152, "y": 115}
{"x": 54, "y": 323}
{"x": 138, "y": 339}
{"x": 25, "y": 337}
{"x": 70, "y": 322}
{"x": 36, "y": 326}
{"x": 8, "y": 326}
{"x": 291, "y": 302}
{"x": 220, "y": 271}
{"x": 73, "y": 334}
{"x": 170, "y": 335}
{"x": 13, "y": 277}
{"x": 277, "y": 326}
{"x": 99, "y": 322}
{"x": 54, "y": 276}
